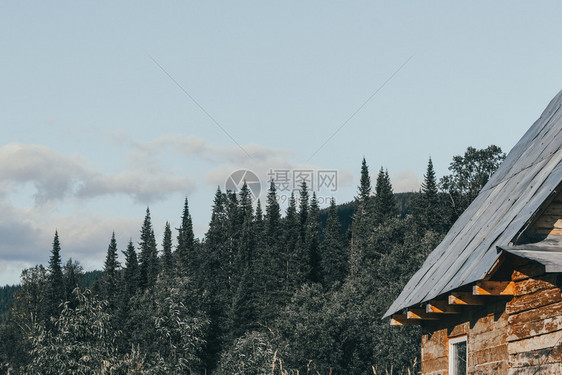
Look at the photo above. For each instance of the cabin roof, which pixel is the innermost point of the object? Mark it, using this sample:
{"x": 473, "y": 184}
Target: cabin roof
{"x": 505, "y": 206}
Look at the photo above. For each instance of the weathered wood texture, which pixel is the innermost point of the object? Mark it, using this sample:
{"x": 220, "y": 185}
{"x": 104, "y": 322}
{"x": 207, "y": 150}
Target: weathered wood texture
{"x": 486, "y": 328}
{"x": 534, "y": 331}
{"x": 516, "y": 335}
{"x": 550, "y": 221}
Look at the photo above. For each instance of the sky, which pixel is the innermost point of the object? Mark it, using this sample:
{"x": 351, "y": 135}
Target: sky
{"x": 107, "y": 108}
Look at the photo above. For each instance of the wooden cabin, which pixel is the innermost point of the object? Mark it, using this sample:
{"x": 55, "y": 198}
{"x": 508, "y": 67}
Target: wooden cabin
{"x": 488, "y": 297}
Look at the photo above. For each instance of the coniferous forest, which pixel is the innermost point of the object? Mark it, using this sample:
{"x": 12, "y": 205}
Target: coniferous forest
{"x": 264, "y": 292}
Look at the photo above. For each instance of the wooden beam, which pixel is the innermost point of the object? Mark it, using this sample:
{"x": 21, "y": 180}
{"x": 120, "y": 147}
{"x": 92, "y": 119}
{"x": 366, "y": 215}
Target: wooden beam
{"x": 441, "y": 307}
{"x": 464, "y": 299}
{"x": 420, "y": 314}
{"x": 494, "y": 288}
{"x": 402, "y": 320}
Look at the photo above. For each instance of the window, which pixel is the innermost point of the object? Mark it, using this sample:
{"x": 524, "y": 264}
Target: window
{"x": 457, "y": 356}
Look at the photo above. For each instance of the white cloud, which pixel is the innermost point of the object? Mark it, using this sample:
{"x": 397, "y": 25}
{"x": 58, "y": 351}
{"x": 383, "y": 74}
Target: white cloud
{"x": 56, "y": 176}
{"x": 405, "y": 181}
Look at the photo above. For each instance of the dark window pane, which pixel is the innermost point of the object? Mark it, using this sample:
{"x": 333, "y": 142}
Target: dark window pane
{"x": 459, "y": 358}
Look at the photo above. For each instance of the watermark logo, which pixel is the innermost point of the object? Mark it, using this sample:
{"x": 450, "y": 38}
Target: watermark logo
{"x": 235, "y": 181}
{"x": 323, "y": 182}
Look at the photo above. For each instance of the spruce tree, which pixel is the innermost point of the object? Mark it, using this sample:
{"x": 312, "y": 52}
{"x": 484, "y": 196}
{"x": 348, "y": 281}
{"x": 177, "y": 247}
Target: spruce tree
{"x": 148, "y": 259}
{"x": 110, "y": 272}
{"x": 362, "y": 222}
{"x": 384, "y": 204}
{"x": 270, "y": 262}
{"x": 131, "y": 274}
{"x": 186, "y": 242}
{"x": 214, "y": 277}
{"x": 246, "y": 243}
{"x": 55, "y": 276}
{"x": 431, "y": 211}
{"x": 333, "y": 255}
{"x": 303, "y": 210}
{"x": 291, "y": 243}
{"x": 364, "y": 189}
{"x": 167, "y": 260}
{"x": 312, "y": 242}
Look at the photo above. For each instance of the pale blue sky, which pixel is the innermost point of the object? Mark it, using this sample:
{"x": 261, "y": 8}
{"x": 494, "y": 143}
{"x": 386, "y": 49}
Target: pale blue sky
{"x": 93, "y": 131}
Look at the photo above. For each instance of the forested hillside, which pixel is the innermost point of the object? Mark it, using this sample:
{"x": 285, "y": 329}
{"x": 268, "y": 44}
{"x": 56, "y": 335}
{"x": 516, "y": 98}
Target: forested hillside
{"x": 264, "y": 292}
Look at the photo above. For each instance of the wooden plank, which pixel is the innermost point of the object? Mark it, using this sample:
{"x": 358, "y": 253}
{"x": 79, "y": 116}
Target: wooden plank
{"x": 441, "y": 307}
{"x": 415, "y": 313}
{"x": 536, "y": 357}
{"x": 533, "y": 300}
{"x": 494, "y": 288}
{"x": 525, "y": 330}
{"x": 532, "y": 285}
{"x": 535, "y": 343}
{"x": 540, "y": 313}
{"x": 402, "y": 320}
{"x": 548, "y": 369}
{"x": 465, "y": 298}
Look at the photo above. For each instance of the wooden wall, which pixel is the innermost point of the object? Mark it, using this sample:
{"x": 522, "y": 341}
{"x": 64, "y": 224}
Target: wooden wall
{"x": 519, "y": 335}
{"x": 486, "y": 327}
{"x": 534, "y": 332}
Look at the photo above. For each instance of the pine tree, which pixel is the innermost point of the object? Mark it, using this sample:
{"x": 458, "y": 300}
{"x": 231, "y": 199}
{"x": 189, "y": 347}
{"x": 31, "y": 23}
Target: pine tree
{"x": 364, "y": 189}
{"x": 214, "y": 277}
{"x": 312, "y": 241}
{"x": 303, "y": 210}
{"x": 427, "y": 210}
{"x": 291, "y": 243}
{"x": 110, "y": 272}
{"x": 56, "y": 283}
{"x": 131, "y": 275}
{"x": 167, "y": 260}
{"x": 270, "y": 263}
{"x": 246, "y": 243}
{"x": 333, "y": 255}
{"x": 362, "y": 222}
{"x": 272, "y": 217}
{"x": 186, "y": 242}
{"x": 384, "y": 204}
{"x": 148, "y": 259}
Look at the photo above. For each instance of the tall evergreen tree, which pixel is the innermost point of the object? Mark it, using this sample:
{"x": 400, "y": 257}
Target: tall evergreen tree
{"x": 186, "y": 242}
{"x": 110, "y": 272}
{"x": 148, "y": 259}
{"x": 55, "y": 276}
{"x": 429, "y": 214}
{"x": 214, "y": 277}
{"x": 333, "y": 255}
{"x": 384, "y": 207}
{"x": 303, "y": 209}
{"x": 364, "y": 189}
{"x": 291, "y": 244}
{"x": 167, "y": 259}
{"x": 270, "y": 262}
{"x": 362, "y": 222}
{"x": 245, "y": 253}
{"x": 312, "y": 241}
{"x": 131, "y": 274}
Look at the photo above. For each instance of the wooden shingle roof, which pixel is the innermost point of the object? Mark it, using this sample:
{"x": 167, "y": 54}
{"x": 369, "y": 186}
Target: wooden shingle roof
{"x": 506, "y": 205}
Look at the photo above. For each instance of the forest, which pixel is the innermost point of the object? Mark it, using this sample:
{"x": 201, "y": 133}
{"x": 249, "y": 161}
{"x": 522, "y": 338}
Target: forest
{"x": 264, "y": 292}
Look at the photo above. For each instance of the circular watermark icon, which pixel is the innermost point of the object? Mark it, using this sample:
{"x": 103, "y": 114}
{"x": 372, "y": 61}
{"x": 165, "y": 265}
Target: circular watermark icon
{"x": 235, "y": 181}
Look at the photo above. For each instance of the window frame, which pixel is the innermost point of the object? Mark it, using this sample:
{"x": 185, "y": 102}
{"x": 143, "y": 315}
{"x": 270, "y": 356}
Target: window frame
{"x": 452, "y": 342}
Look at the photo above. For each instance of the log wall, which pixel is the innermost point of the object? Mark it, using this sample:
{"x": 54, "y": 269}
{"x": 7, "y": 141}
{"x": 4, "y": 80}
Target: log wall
{"x": 486, "y": 328}
{"x": 519, "y": 335}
